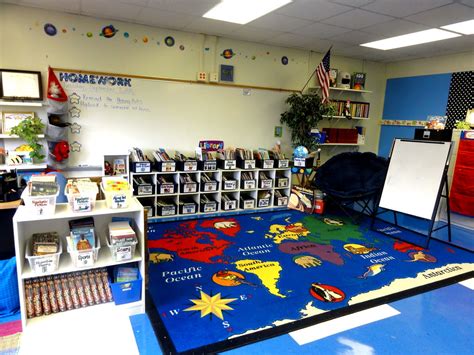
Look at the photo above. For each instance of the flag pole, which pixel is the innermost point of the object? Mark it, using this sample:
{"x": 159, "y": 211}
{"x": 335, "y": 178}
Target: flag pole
{"x": 314, "y": 71}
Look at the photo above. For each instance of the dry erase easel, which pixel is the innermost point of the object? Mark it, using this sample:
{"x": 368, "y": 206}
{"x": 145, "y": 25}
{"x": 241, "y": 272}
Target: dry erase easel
{"x": 414, "y": 184}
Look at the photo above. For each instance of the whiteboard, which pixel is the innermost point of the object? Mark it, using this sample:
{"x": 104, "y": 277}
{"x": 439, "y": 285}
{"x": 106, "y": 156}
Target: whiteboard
{"x": 414, "y": 176}
{"x": 113, "y": 114}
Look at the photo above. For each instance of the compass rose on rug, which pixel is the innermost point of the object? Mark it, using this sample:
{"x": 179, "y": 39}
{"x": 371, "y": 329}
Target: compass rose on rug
{"x": 212, "y": 305}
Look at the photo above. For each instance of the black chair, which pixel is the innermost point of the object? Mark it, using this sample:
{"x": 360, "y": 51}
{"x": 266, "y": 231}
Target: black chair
{"x": 350, "y": 179}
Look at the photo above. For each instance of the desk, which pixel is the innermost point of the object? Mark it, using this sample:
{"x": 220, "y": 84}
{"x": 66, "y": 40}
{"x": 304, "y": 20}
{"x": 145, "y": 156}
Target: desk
{"x": 7, "y": 245}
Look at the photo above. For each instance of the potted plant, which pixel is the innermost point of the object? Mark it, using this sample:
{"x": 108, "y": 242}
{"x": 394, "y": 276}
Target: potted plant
{"x": 303, "y": 114}
{"x": 28, "y": 130}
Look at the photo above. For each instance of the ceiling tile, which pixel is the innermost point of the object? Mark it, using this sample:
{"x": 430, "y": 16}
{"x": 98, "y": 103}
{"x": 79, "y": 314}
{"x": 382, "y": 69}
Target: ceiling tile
{"x": 445, "y": 15}
{"x": 461, "y": 44}
{"x": 313, "y": 9}
{"x": 211, "y": 27}
{"x": 135, "y": 2}
{"x": 402, "y": 8}
{"x": 395, "y": 28}
{"x": 104, "y": 9}
{"x": 320, "y": 30}
{"x": 467, "y": 2}
{"x": 425, "y": 50}
{"x": 355, "y": 37}
{"x": 355, "y": 3}
{"x": 278, "y": 22}
{"x": 319, "y": 45}
{"x": 73, "y": 5}
{"x": 253, "y": 34}
{"x": 357, "y": 19}
{"x": 191, "y": 7}
{"x": 163, "y": 18}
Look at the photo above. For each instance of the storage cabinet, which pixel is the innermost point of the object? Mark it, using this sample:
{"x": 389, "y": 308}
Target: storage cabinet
{"x": 26, "y": 224}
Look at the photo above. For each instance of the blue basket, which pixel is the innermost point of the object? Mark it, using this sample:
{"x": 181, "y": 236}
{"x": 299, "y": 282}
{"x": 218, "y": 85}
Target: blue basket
{"x": 126, "y": 292}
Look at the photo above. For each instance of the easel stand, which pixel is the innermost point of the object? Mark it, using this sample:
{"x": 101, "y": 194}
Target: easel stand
{"x": 431, "y": 229}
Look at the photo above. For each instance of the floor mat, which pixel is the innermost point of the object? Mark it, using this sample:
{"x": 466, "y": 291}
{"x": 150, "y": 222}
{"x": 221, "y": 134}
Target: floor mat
{"x": 223, "y": 282}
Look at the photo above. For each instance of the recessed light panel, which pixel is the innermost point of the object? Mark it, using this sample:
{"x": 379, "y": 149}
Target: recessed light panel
{"x": 465, "y": 27}
{"x": 243, "y": 11}
{"x": 411, "y": 39}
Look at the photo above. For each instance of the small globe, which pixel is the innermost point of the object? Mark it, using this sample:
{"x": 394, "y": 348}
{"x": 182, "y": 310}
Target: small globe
{"x": 300, "y": 152}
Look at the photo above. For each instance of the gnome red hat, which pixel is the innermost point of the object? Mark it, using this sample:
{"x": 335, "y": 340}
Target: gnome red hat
{"x": 55, "y": 89}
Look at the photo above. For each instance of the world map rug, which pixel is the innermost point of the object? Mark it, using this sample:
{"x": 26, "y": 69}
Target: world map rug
{"x": 224, "y": 282}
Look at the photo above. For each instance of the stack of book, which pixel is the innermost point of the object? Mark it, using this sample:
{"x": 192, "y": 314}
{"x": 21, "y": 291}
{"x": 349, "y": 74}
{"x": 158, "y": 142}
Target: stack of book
{"x": 44, "y": 185}
{"x": 354, "y": 109}
{"x": 121, "y": 234}
{"x": 45, "y": 243}
{"x": 82, "y": 234}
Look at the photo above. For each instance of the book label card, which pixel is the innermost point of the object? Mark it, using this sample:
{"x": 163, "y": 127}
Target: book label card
{"x": 249, "y": 164}
{"x": 210, "y": 207}
{"x": 282, "y": 201}
{"x": 283, "y": 182}
{"x": 230, "y": 205}
{"x": 266, "y": 184}
{"x": 209, "y": 165}
{"x": 145, "y": 190}
{"x": 85, "y": 258}
{"x": 249, "y": 184}
{"x": 168, "y": 210}
{"x": 81, "y": 204}
{"x": 230, "y": 164}
{"x": 124, "y": 253}
{"x": 189, "y": 209}
{"x": 283, "y": 163}
{"x": 168, "y": 166}
{"x": 268, "y": 163}
{"x": 167, "y": 188}
{"x": 119, "y": 201}
{"x": 249, "y": 204}
{"x": 210, "y": 186}
{"x": 230, "y": 185}
{"x": 45, "y": 264}
{"x": 189, "y": 187}
{"x": 191, "y": 165}
{"x": 142, "y": 167}
{"x": 264, "y": 202}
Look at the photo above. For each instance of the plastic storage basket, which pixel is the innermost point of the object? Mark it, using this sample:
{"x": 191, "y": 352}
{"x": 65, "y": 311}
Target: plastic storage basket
{"x": 117, "y": 199}
{"x": 85, "y": 258}
{"x": 122, "y": 252}
{"x": 40, "y": 205}
{"x": 128, "y": 291}
{"x": 43, "y": 264}
{"x": 82, "y": 202}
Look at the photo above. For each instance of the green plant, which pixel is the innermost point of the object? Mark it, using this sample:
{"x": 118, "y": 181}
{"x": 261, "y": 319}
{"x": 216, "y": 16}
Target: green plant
{"x": 28, "y": 130}
{"x": 303, "y": 114}
{"x": 462, "y": 125}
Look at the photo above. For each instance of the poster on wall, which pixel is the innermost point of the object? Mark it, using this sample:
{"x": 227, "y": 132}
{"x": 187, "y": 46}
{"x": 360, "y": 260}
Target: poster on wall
{"x": 20, "y": 85}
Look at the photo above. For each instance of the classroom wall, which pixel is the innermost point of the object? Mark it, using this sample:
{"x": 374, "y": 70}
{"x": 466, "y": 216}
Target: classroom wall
{"x": 26, "y": 46}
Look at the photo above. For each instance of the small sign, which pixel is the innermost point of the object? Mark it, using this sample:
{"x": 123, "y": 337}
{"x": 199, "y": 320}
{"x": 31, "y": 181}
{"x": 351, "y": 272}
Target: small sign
{"x": 230, "y": 164}
{"x": 283, "y": 163}
{"x": 249, "y": 184}
{"x": 81, "y": 204}
{"x": 210, "y": 186}
{"x": 266, "y": 184}
{"x": 230, "y": 185}
{"x": 249, "y": 164}
{"x": 124, "y": 253}
{"x": 167, "y": 188}
{"x": 168, "y": 211}
{"x": 230, "y": 205}
{"x": 283, "y": 182}
{"x": 300, "y": 162}
{"x": 145, "y": 190}
{"x": 268, "y": 163}
{"x": 210, "y": 207}
{"x": 211, "y": 145}
{"x": 190, "y": 165}
{"x": 85, "y": 258}
{"x": 190, "y": 187}
{"x": 282, "y": 201}
{"x": 188, "y": 209}
{"x": 143, "y": 167}
{"x": 249, "y": 204}
{"x": 210, "y": 165}
{"x": 119, "y": 201}
{"x": 168, "y": 166}
{"x": 44, "y": 265}
{"x": 264, "y": 202}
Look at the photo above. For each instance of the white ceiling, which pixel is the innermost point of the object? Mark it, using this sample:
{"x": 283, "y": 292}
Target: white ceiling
{"x": 307, "y": 24}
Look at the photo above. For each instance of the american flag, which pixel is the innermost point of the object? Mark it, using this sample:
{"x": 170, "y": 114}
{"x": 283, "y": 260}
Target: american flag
{"x": 323, "y": 76}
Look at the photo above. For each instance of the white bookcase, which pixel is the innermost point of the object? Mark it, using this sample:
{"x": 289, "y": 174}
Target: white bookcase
{"x": 25, "y": 224}
{"x": 229, "y": 183}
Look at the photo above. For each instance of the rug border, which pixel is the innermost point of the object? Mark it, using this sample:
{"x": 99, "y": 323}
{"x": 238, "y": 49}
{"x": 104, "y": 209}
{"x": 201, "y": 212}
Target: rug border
{"x": 168, "y": 347}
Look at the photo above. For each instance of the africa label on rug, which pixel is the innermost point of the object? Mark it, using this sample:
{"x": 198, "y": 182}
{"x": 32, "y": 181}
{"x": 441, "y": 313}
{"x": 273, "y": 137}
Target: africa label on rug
{"x": 221, "y": 279}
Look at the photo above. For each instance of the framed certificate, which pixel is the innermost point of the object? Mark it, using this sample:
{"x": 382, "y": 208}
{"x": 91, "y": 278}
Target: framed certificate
{"x": 20, "y": 85}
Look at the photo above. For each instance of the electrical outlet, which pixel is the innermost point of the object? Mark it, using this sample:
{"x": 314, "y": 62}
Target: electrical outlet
{"x": 213, "y": 77}
{"x": 202, "y": 76}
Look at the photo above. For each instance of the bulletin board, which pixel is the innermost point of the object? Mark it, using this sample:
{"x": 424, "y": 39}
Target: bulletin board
{"x": 415, "y": 176}
{"x": 115, "y": 113}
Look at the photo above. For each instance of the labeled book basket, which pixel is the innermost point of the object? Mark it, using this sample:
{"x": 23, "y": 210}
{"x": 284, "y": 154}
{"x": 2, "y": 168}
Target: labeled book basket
{"x": 43, "y": 264}
{"x": 85, "y": 258}
{"x": 122, "y": 252}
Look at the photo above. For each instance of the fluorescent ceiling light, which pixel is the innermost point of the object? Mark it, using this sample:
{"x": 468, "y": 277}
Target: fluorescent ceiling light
{"x": 411, "y": 39}
{"x": 243, "y": 11}
{"x": 466, "y": 27}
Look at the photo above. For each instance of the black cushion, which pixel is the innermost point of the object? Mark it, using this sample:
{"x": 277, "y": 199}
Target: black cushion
{"x": 352, "y": 175}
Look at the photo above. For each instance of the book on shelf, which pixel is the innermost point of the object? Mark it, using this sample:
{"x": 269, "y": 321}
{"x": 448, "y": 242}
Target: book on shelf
{"x": 353, "y": 109}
